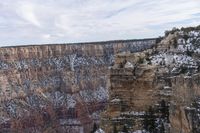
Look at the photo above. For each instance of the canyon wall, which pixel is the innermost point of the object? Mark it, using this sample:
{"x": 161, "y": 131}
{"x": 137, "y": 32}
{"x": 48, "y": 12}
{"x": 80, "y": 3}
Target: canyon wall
{"x": 185, "y": 107}
{"x": 156, "y": 90}
{"x": 57, "y": 88}
{"x": 137, "y": 89}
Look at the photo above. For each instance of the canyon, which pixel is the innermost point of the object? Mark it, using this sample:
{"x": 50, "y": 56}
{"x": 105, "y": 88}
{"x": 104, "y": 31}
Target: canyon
{"x": 124, "y": 86}
{"x": 58, "y": 87}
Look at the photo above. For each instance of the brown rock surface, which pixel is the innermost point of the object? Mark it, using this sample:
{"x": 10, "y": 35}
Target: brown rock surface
{"x": 157, "y": 89}
{"x": 57, "y": 88}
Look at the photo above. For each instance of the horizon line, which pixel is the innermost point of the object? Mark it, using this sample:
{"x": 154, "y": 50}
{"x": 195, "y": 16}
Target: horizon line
{"x": 81, "y": 43}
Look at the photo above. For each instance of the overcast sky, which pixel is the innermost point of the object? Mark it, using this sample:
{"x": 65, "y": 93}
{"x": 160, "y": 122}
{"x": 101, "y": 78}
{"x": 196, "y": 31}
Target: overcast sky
{"x": 62, "y": 21}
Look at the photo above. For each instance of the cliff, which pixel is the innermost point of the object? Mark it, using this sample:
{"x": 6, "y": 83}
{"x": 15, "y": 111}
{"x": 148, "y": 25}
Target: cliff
{"x": 156, "y": 90}
{"x": 57, "y": 88}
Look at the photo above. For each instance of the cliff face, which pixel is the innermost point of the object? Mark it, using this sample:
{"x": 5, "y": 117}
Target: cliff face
{"x": 135, "y": 89}
{"x": 185, "y": 104}
{"x": 57, "y": 88}
{"x": 157, "y": 90}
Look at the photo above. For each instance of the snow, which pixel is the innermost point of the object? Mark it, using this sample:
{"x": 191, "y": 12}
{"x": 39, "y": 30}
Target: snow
{"x": 181, "y": 41}
{"x": 71, "y": 102}
{"x": 166, "y": 93}
{"x": 181, "y": 48}
{"x": 95, "y": 115}
{"x": 180, "y": 59}
{"x": 4, "y": 119}
{"x": 128, "y": 65}
{"x": 139, "y": 131}
{"x": 189, "y": 108}
{"x": 197, "y": 50}
{"x": 99, "y": 131}
{"x": 167, "y": 87}
{"x": 57, "y": 98}
{"x": 100, "y": 94}
{"x": 11, "y": 108}
{"x": 115, "y": 100}
{"x": 194, "y": 33}
{"x": 134, "y": 113}
{"x": 172, "y": 59}
{"x": 69, "y": 122}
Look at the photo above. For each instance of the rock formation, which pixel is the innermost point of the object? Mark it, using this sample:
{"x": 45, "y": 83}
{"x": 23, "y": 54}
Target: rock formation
{"x": 57, "y": 88}
{"x": 156, "y": 90}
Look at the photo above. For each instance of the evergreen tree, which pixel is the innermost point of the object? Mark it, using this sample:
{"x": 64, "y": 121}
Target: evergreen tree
{"x": 149, "y": 121}
{"x": 164, "y": 110}
{"x": 145, "y": 122}
{"x": 152, "y": 120}
{"x": 162, "y": 128}
{"x": 115, "y": 129}
{"x": 125, "y": 130}
{"x": 94, "y": 128}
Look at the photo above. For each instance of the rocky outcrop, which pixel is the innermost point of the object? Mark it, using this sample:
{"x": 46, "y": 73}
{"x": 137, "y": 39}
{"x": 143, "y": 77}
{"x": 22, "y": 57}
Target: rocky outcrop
{"x": 183, "y": 107}
{"x": 57, "y": 88}
{"x": 156, "y": 90}
{"x": 132, "y": 92}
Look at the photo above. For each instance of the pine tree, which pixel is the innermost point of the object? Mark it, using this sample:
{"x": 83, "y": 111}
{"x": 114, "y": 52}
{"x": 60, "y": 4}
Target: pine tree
{"x": 149, "y": 121}
{"x": 145, "y": 122}
{"x": 164, "y": 110}
{"x": 125, "y": 130}
{"x": 162, "y": 128}
{"x": 152, "y": 120}
{"x": 115, "y": 129}
{"x": 94, "y": 128}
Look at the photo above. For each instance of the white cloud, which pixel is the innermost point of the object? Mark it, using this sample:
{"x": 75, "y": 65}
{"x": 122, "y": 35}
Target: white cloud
{"x": 27, "y": 12}
{"x": 54, "y": 21}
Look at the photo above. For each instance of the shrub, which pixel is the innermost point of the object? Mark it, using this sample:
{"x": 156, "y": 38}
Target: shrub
{"x": 140, "y": 60}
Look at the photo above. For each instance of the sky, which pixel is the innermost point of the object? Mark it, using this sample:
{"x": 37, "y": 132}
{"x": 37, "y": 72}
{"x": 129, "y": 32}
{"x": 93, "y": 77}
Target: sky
{"x": 24, "y": 22}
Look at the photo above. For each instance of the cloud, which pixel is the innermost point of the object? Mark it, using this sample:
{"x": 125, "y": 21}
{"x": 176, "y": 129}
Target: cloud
{"x": 27, "y": 12}
{"x": 58, "y": 21}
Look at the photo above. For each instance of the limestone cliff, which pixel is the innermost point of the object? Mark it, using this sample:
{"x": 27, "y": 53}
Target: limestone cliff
{"x": 59, "y": 87}
{"x": 156, "y": 90}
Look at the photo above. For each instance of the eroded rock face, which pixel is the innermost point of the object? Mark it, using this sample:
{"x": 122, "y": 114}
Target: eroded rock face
{"x": 184, "y": 106}
{"x": 133, "y": 91}
{"x": 157, "y": 90}
{"x": 57, "y": 88}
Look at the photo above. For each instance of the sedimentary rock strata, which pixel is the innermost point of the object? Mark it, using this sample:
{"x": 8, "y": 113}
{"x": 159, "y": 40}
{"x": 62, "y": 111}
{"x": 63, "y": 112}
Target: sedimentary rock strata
{"x": 59, "y": 87}
{"x": 156, "y": 90}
